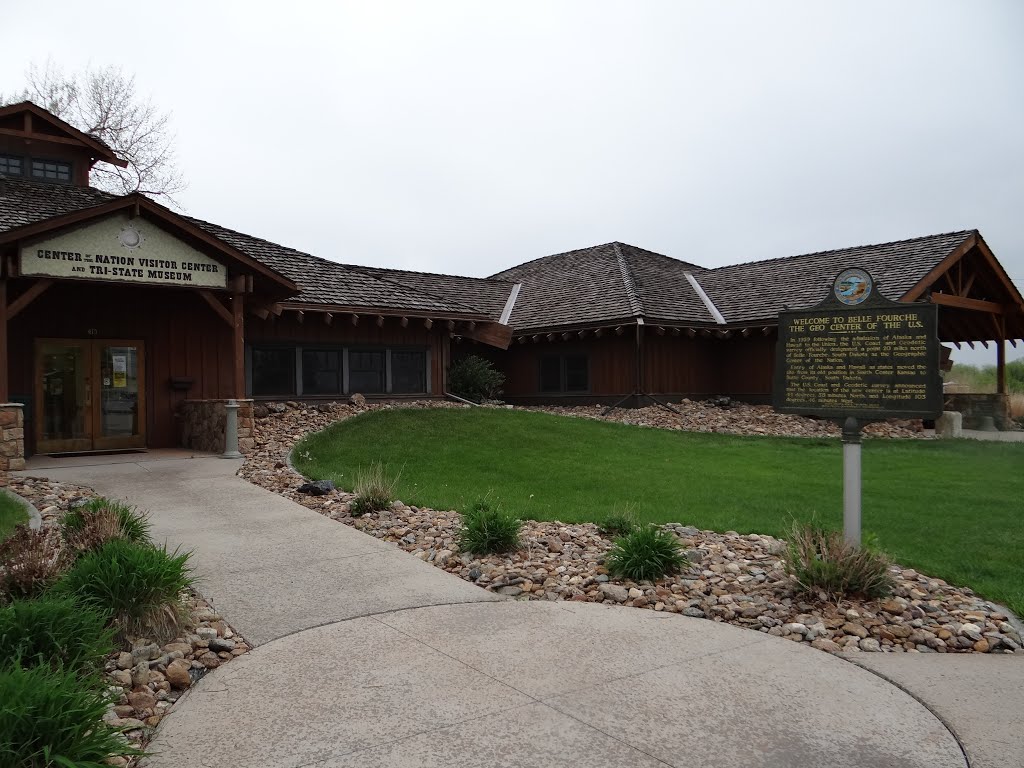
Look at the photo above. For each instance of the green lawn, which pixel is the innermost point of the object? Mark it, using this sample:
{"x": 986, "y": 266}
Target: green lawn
{"x": 11, "y": 514}
{"x": 950, "y": 509}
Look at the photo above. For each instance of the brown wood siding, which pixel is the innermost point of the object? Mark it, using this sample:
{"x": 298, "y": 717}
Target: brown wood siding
{"x": 746, "y": 366}
{"x": 679, "y": 365}
{"x": 182, "y": 337}
{"x": 313, "y": 330}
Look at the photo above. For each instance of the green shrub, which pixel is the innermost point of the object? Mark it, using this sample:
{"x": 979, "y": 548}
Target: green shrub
{"x": 618, "y": 523}
{"x": 374, "y": 489}
{"x": 475, "y": 378}
{"x": 137, "y": 587}
{"x": 646, "y": 554}
{"x": 488, "y": 530}
{"x": 30, "y": 561}
{"x": 91, "y": 525}
{"x": 820, "y": 560}
{"x": 54, "y": 632}
{"x": 53, "y": 717}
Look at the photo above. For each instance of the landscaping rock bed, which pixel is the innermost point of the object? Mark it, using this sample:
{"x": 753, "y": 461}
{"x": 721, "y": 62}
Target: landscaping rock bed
{"x": 733, "y": 418}
{"x": 145, "y": 677}
{"x": 733, "y": 578}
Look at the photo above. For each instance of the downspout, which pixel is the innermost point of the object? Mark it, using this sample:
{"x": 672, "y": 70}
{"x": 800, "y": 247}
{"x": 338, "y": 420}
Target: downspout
{"x": 639, "y": 389}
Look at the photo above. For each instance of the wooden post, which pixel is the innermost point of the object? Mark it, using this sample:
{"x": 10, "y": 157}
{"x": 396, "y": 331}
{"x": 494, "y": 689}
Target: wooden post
{"x": 1001, "y": 366}
{"x": 5, "y": 393}
{"x": 238, "y": 318}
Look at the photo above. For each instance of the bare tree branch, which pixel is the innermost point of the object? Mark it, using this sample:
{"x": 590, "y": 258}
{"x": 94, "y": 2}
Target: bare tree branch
{"x": 103, "y": 102}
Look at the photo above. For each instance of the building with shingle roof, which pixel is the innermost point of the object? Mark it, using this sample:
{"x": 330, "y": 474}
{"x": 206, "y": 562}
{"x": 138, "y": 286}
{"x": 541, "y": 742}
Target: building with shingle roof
{"x": 128, "y": 325}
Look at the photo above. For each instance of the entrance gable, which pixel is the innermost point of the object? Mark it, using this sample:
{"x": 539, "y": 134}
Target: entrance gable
{"x": 121, "y": 249}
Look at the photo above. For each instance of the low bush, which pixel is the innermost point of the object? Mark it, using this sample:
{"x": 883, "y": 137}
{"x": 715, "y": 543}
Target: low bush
{"x": 820, "y": 560}
{"x": 374, "y": 489}
{"x": 54, "y": 717}
{"x": 136, "y": 587}
{"x": 54, "y": 632}
{"x": 475, "y": 378}
{"x": 91, "y": 525}
{"x": 30, "y": 561}
{"x": 646, "y": 554}
{"x": 488, "y": 529}
{"x": 618, "y": 523}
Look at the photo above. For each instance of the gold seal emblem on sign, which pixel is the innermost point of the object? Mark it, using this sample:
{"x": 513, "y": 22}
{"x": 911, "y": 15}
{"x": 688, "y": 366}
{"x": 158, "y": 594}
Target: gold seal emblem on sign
{"x": 130, "y": 237}
{"x": 852, "y": 286}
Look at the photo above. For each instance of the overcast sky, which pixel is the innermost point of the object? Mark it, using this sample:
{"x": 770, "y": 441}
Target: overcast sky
{"x": 468, "y": 137}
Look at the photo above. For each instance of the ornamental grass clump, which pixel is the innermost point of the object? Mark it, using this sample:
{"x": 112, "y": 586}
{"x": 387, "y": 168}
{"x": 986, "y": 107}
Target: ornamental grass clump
{"x": 374, "y": 489}
{"x": 820, "y": 560}
{"x": 54, "y": 717}
{"x": 54, "y": 632}
{"x": 488, "y": 530}
{"x": 618, "y": 523}
{"x": 136, "y": 587}
{"x": 30, "y": 561}
{"x": 646, "y": 554}
{"x": 91, "y": 525}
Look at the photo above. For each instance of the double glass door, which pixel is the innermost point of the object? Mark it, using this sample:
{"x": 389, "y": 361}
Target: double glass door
{"x": 90, "y": 395}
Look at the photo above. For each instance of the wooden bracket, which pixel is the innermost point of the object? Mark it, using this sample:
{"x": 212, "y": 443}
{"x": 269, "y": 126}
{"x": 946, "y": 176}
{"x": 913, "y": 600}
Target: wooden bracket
{"x": 225, "y": 314}
{"x": 27, "y": 297}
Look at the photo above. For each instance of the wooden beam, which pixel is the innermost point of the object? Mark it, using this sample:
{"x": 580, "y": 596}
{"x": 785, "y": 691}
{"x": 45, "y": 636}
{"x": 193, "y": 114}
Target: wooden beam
{"x": 766, "y": 330}
{"x": 261, "y": 313}
{"x": 599, "y": 333}
{"x": 428, "y": 323}
{"x": 535, "y": 338}
{"x": 237, "y": 312}
{"x": 1000, "y": 367}
{"x": 966, "y": 289}
{"x": 551, "y": 337}
{"x": 566, "y": 336}
{"x": 582, "y": 334}
{"x": 214, "y": 303}
{"x": 745, "y": 332}
{"x": 404, "y": 322}
{"x": 691, "y": 333}
{"x": 660, "y": 330}
{"x": 961, "y": 302}
{"x": 27, "y": 297}
{"x": 380, "y": 321}
{"x": 276, "y": 309}
{"x": 493, "y": 334}
{"x": 300, "y": 316}
{"x": 521, "y": 339}
{"x": 451, "y": 325}
{"x": 925, "y": 282}
{"x": 328, "y": 318}
{"x": 676, "y": 332}
{"x": 619, "y": 330}
{"x": 5, "y": 392}
{"x": 355, "y": 319}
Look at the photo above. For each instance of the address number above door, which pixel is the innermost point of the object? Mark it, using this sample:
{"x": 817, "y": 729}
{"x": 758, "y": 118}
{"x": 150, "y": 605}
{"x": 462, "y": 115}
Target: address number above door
{"x": 122, "y": 250}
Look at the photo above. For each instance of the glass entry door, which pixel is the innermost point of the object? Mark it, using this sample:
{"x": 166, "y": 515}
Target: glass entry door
{"x": 91, "y": 395}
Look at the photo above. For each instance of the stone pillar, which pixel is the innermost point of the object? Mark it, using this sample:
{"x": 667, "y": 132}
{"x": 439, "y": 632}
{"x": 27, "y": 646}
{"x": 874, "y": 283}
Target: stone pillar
{"x": 204, "y": 425}
{"x": 12, "y": 436}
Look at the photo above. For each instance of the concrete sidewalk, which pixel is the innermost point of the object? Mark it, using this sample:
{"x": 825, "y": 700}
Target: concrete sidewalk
{"x": 367, "y": 656}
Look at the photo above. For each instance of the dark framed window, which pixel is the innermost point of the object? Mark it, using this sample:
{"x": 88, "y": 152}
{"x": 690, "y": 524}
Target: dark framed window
{"x": 564, "y": 373}
{"x": 11, "y": 165}
{"x": 408, "y": 371}
{"x": 273, "y": 371}
{"x": 366, "y": 371}
{"x": 321, "y": 371}
{"x": 51, "y": 170}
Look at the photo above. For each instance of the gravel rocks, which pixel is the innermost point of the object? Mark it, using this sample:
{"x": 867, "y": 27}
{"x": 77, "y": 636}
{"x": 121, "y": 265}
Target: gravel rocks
{"x": 733, "y": 578}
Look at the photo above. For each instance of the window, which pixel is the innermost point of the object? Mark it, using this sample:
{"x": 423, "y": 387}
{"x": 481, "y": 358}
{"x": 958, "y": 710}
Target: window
{"x": 51, "y": 170}
{"x": 273, "y": 371}
{"x": 408, "y": 372}
{"x": 564, "y": 373}
{"x": 366, "y": 371}
{"x": 321, "y": 371}
{"x": 10, "y": 165}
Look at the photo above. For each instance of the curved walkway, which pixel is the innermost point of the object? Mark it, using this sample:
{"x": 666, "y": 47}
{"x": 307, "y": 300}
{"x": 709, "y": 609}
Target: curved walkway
{"x": 369, "y": 657}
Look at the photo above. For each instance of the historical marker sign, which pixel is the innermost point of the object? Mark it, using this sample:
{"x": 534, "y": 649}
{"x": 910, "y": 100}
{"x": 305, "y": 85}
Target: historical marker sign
{"x": 858, "y": 354}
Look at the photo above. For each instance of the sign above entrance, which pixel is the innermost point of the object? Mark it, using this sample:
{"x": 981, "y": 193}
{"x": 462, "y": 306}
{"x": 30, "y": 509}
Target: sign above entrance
{"x": 122, "y": 250}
